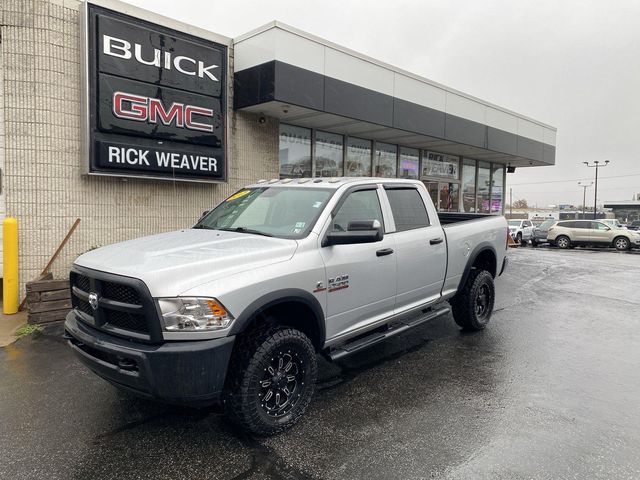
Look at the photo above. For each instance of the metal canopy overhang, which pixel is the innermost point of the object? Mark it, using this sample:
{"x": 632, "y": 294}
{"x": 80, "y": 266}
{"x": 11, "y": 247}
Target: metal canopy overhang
{"x": 306, "y": 117}
{"x": 301, "y": 79}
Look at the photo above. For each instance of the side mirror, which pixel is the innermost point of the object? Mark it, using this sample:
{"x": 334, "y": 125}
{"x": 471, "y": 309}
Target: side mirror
{"x": 360, "y": 231}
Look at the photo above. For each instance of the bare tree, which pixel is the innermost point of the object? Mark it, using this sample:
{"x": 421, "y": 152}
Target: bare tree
{"x": 522, "y": 203}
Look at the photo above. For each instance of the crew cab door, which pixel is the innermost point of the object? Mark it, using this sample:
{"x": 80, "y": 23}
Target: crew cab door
{"x": 420, "y": 247}
{"x": 527, "y": 229}
{"x": 361, "y": 277}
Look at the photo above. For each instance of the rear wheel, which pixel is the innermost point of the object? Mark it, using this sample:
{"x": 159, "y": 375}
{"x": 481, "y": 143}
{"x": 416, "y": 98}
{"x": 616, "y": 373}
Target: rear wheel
{"x": 473, "y": 304}
{"x": 519, "y": 238}
{"x": 563, "y": 241}
{"x": 621, "y": 243}
{"x": 271, "y": 381}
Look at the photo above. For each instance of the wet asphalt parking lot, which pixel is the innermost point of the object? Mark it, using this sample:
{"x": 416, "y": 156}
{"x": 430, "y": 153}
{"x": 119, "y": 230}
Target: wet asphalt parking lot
{"x": 551, "y": 389}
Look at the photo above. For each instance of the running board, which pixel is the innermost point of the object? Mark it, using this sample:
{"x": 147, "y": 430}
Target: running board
{"x": 395, "y": 327}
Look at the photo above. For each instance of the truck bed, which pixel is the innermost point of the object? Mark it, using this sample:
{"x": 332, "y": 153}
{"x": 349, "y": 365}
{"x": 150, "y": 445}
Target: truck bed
{"x": 447, "y": 218}
{"x": 465, "y": 233}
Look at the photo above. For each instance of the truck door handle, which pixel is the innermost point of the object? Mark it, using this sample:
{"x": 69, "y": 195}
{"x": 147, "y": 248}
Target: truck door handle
{"x": 435, "y": 241}
{"x": 384, "y": 251}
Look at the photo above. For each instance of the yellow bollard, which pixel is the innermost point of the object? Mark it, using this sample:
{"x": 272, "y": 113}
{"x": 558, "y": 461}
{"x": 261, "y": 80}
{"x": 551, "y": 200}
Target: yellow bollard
{"x": 10, "y": 286}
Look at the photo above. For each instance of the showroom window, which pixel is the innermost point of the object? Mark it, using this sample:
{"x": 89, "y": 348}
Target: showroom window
{"x": 484, "y": 184}
{"x": 358, "y": 162}
{"x": 385, "y": 160}
{"x": 409, "y": 163}
{"x": 295, "y": 152}
{"x": 328, "y": 154}
{"x": 497, "y": 187}
{"x": 454, "y": 184}
{"x": 468, "y": 186}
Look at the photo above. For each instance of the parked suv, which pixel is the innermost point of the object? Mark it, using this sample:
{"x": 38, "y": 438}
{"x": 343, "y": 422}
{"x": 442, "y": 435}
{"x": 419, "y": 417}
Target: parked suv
{"x": 521, "y": 230}
{"x": 569, "y": 233}
{"x": 635, "y": 225}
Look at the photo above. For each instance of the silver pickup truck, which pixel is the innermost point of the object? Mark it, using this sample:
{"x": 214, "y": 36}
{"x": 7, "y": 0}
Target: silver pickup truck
{"x": 236, "y": 308}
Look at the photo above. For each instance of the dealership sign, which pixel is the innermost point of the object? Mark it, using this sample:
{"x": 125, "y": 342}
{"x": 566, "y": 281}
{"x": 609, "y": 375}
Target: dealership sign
{"x": 439, "y": 165}
{"x": 156, "y": 100}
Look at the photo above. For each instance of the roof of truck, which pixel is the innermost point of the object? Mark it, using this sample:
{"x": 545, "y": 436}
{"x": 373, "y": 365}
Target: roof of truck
{"x": 332, "y": 182}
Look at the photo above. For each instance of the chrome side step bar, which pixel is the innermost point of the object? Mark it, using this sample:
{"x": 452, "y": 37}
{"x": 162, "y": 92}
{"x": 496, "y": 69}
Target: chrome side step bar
{"x": 395, "y": 327}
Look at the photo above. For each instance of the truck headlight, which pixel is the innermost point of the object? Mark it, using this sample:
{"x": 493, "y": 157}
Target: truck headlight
{"x": 193, "y": 314}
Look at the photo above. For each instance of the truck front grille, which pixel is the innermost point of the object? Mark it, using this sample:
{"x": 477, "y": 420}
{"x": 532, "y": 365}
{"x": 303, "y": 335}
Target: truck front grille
{"x": 125, "y": 307}
{"x": 120, "y": 293}
{"x": 127, "y": 321}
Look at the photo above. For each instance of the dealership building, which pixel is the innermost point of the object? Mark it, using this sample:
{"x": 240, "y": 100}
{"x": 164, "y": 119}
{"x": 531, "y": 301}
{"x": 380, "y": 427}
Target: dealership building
{"x": 136, "y": 123}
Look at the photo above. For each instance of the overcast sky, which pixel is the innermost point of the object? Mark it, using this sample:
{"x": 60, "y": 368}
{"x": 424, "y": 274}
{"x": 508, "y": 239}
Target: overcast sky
{"x": 572, "y": 64}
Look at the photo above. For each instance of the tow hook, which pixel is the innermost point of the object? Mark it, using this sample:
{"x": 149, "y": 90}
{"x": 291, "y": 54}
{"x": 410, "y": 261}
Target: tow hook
{"x": 127, "y": 364}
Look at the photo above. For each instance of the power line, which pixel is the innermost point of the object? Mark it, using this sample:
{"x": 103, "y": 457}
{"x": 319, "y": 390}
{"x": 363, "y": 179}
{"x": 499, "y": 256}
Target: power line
{"x": 573, "y": 180}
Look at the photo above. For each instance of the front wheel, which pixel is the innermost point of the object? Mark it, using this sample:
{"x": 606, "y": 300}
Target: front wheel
{"x": 473, "y": 304}
{"x": 621, "y": 243}
{"x": 271, "y": 381}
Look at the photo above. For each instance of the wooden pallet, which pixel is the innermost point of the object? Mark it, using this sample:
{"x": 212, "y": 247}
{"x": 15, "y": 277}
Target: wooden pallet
{"x": 48, "y": 300}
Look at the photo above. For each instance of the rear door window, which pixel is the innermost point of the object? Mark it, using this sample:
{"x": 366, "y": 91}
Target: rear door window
{"x": 408, "y": 209}
{"x": 599, "y": 226}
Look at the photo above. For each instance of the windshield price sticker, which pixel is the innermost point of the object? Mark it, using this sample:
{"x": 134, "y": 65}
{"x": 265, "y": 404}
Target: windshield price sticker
{"x": 238, "y": 195}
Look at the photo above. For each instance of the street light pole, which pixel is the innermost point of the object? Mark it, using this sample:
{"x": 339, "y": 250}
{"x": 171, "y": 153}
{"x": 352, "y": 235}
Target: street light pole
{"x": 596, "y": 165}
{"x": 584, "y": 195}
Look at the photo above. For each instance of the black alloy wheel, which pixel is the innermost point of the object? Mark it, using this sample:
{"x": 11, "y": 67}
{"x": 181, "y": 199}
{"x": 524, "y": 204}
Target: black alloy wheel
{"x": 482, "y": 301}
{"x": 282, "y": 382}
{"x": 271, "y": 379}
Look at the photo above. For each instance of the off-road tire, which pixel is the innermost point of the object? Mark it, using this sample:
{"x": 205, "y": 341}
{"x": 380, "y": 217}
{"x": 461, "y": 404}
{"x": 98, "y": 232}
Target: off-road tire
{"x": 621, "y": 243}
{"x": 253, "y": 354}
{"x": 560, "y": 243}
{"x": 464, "y": 304}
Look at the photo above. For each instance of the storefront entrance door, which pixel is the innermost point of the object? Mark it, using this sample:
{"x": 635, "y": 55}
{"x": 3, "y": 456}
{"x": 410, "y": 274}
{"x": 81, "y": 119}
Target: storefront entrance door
{"x": 445, "y": 195}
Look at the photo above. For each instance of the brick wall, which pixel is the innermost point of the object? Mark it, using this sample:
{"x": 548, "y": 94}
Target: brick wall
{"x": 44, "y": 189}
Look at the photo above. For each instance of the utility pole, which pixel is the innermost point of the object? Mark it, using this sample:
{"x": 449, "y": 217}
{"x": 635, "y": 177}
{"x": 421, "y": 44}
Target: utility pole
{"x": 584, "y": 195}
{"x": 596, "y": 165}
{"x": 510, "y": 201}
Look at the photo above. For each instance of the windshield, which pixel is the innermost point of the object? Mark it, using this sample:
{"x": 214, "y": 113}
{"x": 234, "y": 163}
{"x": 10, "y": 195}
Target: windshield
{"x": 546, "y": 224}
{"x": 284, "y": 212}
{"x": 514, "y": 223}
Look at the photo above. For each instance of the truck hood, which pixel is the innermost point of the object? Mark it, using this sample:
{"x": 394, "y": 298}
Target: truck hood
{"x": 173, "y": 262}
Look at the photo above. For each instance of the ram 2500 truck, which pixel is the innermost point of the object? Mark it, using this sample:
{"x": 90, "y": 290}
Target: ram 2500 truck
{"x": 236, "y": 308}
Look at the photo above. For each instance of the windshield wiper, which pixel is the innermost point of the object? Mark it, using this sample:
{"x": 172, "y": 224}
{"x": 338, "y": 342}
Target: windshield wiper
{"x": 200, "y": 225}
{"x": 246, "y": 230}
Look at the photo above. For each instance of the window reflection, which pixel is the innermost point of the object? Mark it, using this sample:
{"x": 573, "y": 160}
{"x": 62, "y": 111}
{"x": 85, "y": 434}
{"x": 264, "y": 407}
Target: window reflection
{"x": 329, "y": 148}
{"x": 358, "y": 158}
{"x": 295, "y": 152}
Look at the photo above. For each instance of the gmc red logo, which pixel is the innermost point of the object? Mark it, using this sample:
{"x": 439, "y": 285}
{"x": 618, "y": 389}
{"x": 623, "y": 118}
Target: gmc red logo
{"x": 151, "y": 110}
